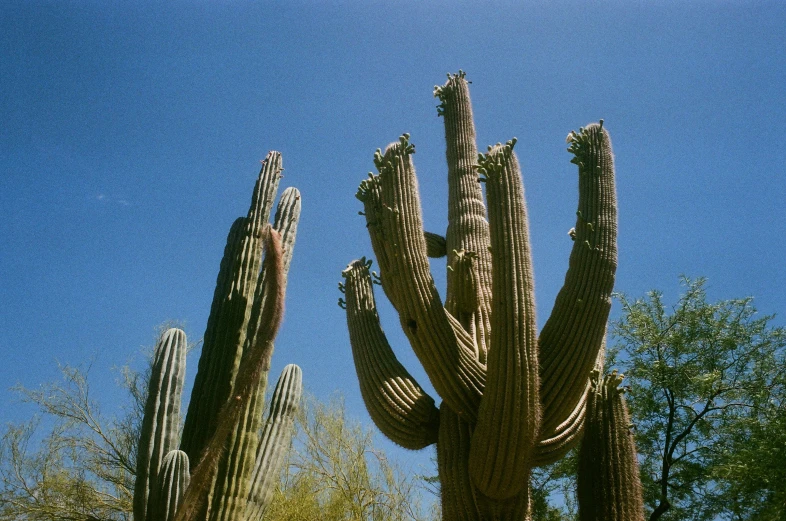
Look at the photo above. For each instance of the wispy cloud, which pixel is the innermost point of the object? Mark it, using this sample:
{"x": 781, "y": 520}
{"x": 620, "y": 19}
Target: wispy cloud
{"x": 105, "y": 199}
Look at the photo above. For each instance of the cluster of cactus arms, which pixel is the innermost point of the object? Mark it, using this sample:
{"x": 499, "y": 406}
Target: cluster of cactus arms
{"x": 225, "y": 465}
{"x": 512, "y": 399}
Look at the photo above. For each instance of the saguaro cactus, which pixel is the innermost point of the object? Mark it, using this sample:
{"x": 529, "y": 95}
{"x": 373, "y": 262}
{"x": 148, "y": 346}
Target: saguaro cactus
{"x": 225, "y": 418}
{"x": 609, "y": 485}
{"x": 511, "y": 399}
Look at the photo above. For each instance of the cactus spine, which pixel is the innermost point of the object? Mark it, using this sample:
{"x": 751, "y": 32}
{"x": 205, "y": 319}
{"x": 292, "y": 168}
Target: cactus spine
{"x": 225, "y": 418}
{"x": 609, "y": 486}
{"x": 511, "y": 399}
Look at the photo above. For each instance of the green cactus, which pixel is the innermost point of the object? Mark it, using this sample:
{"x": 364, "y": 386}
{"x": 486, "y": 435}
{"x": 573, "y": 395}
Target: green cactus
{"x": 173, "y": 480}
{"x": 609, "y": 486}
{"x": 511, "y": 399}
{"x": 161, "y": 421}
{"x": 226, "y": 412}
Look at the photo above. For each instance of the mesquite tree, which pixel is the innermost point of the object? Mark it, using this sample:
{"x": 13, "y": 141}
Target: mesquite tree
{"x": 511, "y": 399}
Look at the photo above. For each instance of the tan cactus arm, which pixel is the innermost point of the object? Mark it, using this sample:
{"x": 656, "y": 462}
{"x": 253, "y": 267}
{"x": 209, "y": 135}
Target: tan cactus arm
{"x": 568, "y": 434}
{"x": 509, "y": 415}
{"x": 565, "y": 436}
{"x": 435, "y": 245}
{"x": 392, "y": 209}
{"x": 468, "y": 230}
{"x": 573, "y": 334}
{"x": 400, "y": 408}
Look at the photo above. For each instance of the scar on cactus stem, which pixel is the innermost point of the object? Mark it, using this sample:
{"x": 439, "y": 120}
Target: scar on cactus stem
{"x": 255, "y": 362}
{"x": 512, "y": 399}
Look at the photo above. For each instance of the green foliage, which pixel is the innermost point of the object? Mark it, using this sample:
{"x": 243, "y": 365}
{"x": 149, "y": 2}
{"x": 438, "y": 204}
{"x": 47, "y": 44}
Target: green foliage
{"x": 336, "y": 473}
{"x": 554, "y": 490}
{"x": 71, "y": 461}
{"x": 707, "y": 399}
{"x": 75, "y": 462}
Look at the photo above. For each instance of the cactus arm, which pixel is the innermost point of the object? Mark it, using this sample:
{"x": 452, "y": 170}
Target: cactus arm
{"x": 568, "y": 434}
{"x": 286, "y": 222}
{"x": 395, "y": 224}
{"x": 395, "y": 401}
{"x": 467, "y": 226}
{"x": 172, "y": 483}
{"x": 234, "y": 477}
{"x": 161, "y": 421}
{"x": 509, "y": 415}
{"x": 435, "y": 245}
{"x": 229, "y": 315}
{"x": 608, "y": 484}
{"x": 565, "y": 436}
{"x": 573, "y": 334}
{"x": 275, "y": 441}
{"x": 255, "y": 364}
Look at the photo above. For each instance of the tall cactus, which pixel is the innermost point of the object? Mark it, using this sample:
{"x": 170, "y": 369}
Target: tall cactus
{"x": 511, "y": 399}
{"x": 609, "y": 485}
{"x": 161, "y": 421}
{"x": 221, "y": 435}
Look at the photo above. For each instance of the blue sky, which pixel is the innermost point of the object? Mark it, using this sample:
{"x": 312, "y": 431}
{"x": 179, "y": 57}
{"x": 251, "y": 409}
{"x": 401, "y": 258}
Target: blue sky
{"x": 131, "y": 135}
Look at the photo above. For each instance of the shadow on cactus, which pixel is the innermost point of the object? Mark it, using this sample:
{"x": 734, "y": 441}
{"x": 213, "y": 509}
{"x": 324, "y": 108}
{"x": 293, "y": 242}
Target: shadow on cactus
{"x": 238, "y": 452}
{"x": 512, "y": 399}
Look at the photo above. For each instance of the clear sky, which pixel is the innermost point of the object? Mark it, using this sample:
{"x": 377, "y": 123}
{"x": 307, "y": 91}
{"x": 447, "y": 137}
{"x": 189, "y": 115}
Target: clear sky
{"x": 131, "y": 134}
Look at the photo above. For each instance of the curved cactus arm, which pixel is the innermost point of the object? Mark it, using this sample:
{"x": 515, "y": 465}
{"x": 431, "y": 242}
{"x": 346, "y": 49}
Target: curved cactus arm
{"x": 229, "y": 314}
{"x": 173, "y": 481}
{"x": 395, "y": 225}
{"x": 435, "y": 245}
{"x": 161, "y": 421}
{"x": 254, "y": 365}
{"x": 608, "y": 484}
{"x": 275, "y": 441}
{"x": 234, "y": 477}
{"x": 572, "y": 336}
{"x": 468, "y": 229}
{"x": 509, "y": 415}
{"x": 568, "y": 434}
{"x": 400, "y": 408}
